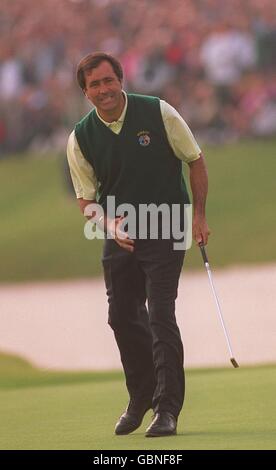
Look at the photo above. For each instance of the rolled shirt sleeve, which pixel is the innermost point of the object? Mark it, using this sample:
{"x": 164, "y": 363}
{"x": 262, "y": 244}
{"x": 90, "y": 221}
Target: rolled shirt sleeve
{"x": 82, "y": 173}
{"x": 179, "y": 134}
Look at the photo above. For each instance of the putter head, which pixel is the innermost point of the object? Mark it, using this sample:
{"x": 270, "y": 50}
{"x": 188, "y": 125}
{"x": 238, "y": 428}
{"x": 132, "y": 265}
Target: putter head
{"x": 234, "y": 362}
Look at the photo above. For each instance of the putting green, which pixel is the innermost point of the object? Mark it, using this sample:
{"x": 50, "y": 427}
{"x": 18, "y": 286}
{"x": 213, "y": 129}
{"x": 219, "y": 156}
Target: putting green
{"x": 224, "y": 409}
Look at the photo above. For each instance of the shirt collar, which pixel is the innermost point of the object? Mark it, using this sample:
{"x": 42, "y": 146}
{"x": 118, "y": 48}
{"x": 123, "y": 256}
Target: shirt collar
{"x": 121, "y": 118}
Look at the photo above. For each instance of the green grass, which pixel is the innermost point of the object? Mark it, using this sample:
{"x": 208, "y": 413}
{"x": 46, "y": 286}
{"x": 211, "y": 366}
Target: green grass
{"x": 41, "y": 233}
{"x": 224, "y": 409}
{"x": 42, "y": 228}
{"x": 241, "y": 203}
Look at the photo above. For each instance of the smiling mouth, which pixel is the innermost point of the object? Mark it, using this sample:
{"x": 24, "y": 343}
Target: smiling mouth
{"x": 106, "y": 99}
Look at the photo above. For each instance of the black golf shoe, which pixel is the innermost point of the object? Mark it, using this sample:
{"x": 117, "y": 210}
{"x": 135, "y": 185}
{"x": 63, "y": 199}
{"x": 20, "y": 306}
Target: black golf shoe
{"x": 131, "y": 419}
{"x": 163, "y": 424}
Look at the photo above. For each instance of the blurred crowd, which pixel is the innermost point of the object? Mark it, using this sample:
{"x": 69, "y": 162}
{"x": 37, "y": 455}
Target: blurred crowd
{"x": 215, "y": 61}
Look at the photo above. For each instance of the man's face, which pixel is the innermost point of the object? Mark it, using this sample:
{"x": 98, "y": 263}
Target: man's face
{"x": 104, "y": 89}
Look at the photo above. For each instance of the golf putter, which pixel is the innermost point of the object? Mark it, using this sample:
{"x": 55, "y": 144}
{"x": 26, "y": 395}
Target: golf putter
{"x": 205, "y": 259}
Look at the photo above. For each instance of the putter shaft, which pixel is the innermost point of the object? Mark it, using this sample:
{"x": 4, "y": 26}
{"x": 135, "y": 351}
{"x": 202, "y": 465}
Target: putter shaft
{"x": 206, "y": 262}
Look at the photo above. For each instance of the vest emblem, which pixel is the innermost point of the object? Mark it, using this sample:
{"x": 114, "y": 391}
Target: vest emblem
{"x": 143, "y": 138}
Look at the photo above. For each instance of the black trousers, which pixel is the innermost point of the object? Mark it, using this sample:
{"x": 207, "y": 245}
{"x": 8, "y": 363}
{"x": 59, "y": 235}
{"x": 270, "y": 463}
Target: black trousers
{"x": 148, "y": 339}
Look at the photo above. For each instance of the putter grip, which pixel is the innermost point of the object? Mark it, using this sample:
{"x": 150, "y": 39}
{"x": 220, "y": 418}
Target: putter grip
{"x": 203, "y": 252}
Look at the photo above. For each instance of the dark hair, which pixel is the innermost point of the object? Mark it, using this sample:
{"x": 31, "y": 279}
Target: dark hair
{"x": 91, "y": 61}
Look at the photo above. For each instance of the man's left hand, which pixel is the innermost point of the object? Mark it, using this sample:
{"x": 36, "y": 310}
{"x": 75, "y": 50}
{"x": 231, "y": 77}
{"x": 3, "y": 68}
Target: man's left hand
{"x": 201, "y": 230}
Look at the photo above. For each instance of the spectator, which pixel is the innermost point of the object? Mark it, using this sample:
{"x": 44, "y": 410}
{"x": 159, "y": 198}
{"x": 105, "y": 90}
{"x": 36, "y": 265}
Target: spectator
{"x": 198, "y": 52}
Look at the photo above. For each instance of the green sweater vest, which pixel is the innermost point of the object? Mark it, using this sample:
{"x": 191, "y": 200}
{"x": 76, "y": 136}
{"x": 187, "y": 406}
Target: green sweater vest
{"x": 137, "y": 166}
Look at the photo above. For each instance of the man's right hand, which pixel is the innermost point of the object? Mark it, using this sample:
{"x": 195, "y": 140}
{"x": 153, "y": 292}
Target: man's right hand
{"x": 114, "y": 228}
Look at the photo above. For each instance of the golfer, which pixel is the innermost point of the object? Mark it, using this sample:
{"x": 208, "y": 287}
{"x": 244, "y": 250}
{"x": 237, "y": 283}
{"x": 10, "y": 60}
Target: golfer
{"x": 132, "y": 147}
